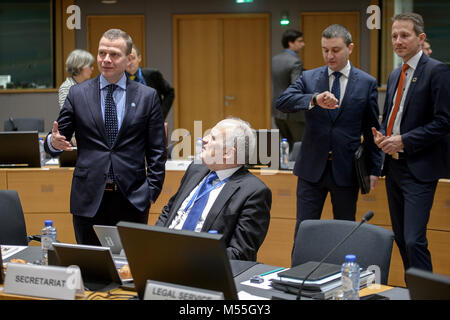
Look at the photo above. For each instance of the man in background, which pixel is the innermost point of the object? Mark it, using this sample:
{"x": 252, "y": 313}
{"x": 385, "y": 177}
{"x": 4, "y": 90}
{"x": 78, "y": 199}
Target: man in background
{"x": 153, "y": 78}
{"x": 286, "y": 68}
{"x": 426, "y": 47}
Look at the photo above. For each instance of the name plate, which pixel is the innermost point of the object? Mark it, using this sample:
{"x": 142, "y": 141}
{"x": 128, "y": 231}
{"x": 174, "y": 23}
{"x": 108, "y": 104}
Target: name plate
{"x": 156, "y": 290}
{"x": 43, "y": 281}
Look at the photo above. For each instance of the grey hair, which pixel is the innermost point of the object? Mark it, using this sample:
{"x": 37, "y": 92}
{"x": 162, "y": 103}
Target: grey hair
{"x": 416, "y": 19}
{"x": 239, "y": 135}
{"x": 77, "y": 60}
{"x": 114, "y": 34}
{"x": 338, "y": 31}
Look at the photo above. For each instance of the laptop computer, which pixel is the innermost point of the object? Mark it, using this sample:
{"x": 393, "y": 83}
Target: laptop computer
{"x": 96, "y": 263}
{"x": 68, "y": 158}
{"x": 194, "y": 259}
{"x": 109, "y": 237}
{"x": 19, "y": 149}
{"x": 425, "y": 285}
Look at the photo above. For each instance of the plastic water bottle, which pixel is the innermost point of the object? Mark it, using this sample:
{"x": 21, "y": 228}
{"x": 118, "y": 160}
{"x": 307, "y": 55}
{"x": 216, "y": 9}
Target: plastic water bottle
{"x": 48, "y": 236}
{"x": 42, "y": 151}
{"x": 198, "y": 150}
{"x": 350, "y": 278}
{"x": 284, "y": 153}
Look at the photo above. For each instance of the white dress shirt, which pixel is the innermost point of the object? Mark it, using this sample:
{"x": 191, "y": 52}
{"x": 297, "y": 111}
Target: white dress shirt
{"x": 181, "y": 216}
{"x": 412, "y": 63}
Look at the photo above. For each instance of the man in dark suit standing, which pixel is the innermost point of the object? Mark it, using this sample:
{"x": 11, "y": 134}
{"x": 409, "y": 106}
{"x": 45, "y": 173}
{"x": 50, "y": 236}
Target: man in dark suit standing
{"x": 119, "y": 127}
{"x": 415, "y": 137}
{"x": 153, "y": 78}
{"x": 334, "y": 123}
{"x": 221, "y": 194}
{"x": 286, "y": 68}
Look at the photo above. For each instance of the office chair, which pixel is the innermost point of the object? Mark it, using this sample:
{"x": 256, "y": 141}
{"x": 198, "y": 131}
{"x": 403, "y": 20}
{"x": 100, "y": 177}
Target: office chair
{"x": 12, "y": 222}
{"x": 295, "y": 151}
{"x": 24, "y": 124}
{"x": 371, "y": 244}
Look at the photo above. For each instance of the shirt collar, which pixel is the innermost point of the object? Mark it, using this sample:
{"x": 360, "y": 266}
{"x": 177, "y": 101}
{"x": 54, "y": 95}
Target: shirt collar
{"x": 345, "y": 70}
{"x": 414, "y": 61}
{"x": 291, "y": 52}
{"x": 223, "y": 174}
{"x": 122, "y": 83}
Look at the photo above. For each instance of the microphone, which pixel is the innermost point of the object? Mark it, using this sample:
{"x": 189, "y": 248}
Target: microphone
{"x": 366, "y": 218}
{"x": 13, "y": 124}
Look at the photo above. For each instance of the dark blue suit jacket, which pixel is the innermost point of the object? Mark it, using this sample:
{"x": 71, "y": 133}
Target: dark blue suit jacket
{"x": 358, "y": 112}
{"x": 425, "y": 123}
{"x": 141, "y": 139}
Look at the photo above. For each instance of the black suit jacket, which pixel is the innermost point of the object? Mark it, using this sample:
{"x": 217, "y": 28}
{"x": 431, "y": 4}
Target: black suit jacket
{"x": 141, "y": 139}
{"x": 241, "y": 212}
{"x": 154, "y": 78}
{"x": 425, "y": 123}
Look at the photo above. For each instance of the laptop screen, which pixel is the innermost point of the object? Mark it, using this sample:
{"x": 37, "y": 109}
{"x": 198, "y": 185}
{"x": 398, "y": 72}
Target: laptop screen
{"x": 188, "y": 258}
{"x": 19, "y": 148}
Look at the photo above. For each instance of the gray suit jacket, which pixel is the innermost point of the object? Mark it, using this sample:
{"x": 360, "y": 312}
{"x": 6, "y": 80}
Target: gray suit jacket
{"x": 286, "y": 68}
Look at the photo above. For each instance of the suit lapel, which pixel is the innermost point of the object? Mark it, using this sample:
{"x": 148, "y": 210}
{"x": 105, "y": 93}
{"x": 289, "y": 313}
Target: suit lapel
{"x": 130, "y": 107}
{"x": 351, "y": 83}
{"x": 93, "y": 100}
{"x": 391, "y": 91}
{"x": 191, "y": 182}
{"x": 225, "y": 194}
{"x": 416, "y": 77}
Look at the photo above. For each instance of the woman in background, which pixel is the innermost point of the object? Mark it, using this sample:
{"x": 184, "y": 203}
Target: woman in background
{"x": 79, "y": 65}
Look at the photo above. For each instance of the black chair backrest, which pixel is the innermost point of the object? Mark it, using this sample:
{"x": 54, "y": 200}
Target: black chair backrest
{"x": 12, "y": 222}
{"x": 371, "y": 244}
{"x": 24, "y": 124}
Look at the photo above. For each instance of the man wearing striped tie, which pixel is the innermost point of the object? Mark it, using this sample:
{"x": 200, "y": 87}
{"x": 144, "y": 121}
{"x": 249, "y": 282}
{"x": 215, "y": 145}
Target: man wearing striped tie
{"x": 221, "y": 194}
{"x": 415, "y": 137}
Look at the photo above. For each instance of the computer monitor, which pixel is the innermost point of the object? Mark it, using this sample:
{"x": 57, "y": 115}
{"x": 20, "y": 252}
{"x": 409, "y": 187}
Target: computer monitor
{"x": 109, "y": 237}
{"x": 19, "y": 148}
{"x": 425, "y": 285}
{"x": 194, "y": 259}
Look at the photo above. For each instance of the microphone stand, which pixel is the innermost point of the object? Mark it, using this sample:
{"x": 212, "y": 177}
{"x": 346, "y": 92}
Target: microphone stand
{"x": 367, "y": 217}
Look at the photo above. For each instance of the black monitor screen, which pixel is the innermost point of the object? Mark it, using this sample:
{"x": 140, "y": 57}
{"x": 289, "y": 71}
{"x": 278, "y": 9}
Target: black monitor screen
{"x": 19, "y": 148}
{"x": 194, "y": 259}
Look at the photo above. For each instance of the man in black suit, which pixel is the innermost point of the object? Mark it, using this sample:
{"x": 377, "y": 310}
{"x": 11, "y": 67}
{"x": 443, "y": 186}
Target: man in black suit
{"x": 221, "y": 194}
{"x": 119, "y": 128}
{"x": 153, "y": 78}
{"x": 415, "y": 138}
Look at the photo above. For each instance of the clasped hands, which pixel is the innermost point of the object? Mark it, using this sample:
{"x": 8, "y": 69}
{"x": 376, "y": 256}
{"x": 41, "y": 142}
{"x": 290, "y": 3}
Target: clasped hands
{"x": 389, "y": 145}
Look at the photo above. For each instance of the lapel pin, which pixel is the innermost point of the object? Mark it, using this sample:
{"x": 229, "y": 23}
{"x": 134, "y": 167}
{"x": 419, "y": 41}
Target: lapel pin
{"x": 133, "y": 104}
{"x": 414, "y": 79}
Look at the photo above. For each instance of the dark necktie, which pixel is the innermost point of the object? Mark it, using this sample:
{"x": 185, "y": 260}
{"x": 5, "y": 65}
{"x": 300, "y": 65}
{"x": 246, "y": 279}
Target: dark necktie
{"x": 199, "y": 205}
{"x": 336, "y": 90}
{"x": 111, "y": 123}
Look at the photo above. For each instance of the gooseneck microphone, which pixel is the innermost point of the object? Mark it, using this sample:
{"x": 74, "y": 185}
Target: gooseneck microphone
{"x": 366, "y": 218}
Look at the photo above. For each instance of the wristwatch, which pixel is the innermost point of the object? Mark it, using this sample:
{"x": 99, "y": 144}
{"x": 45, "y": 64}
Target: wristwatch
{"x": 314, "y": 99}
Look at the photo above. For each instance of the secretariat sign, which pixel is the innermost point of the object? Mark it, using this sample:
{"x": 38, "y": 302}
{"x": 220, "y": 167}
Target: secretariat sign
{"x": 43, "y": 281}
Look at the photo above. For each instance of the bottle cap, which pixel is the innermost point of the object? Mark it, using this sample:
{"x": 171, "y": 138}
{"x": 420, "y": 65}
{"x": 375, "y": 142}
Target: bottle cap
{"x": 350, "y": 258}
{"x": 48, "y": 223}
{"x": 284, "y": 139}
{"x": 213, "y": 231}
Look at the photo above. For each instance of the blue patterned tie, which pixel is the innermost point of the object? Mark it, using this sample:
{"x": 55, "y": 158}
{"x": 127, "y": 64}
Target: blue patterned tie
{"x": 111, "y": 123}
{"x": 336, "y": 90}
{"x": 199, "y": 205}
